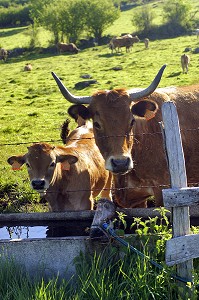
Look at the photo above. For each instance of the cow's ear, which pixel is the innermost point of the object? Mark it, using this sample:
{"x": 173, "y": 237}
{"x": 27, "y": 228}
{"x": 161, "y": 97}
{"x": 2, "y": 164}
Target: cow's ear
{"x": 145, "y": 108}
{"x": 16, "y": 161}
{"x": 79, "y": 110}
{"x": 66, "y": 161}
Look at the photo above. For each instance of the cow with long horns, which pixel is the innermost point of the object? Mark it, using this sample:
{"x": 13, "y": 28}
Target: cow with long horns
{"x": 127, "y": 132}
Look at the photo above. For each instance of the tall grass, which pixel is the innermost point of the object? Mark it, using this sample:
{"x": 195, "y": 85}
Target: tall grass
{"x": 105, "y": 276}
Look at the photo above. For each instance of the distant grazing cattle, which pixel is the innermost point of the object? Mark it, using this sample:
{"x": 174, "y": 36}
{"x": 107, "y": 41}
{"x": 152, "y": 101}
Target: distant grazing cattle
{"x": 62, "y": 47}
{"x": 197, "y": 32}
{"x": 28, "y": 67}
{"x": 123, "y": 41}
{"x": 185, "y": 60}
{"x": 146, "y": 43}
{"x": 3, "y": 54}
{"x": 69, "y": 176}
{"x": 127, "y": 133}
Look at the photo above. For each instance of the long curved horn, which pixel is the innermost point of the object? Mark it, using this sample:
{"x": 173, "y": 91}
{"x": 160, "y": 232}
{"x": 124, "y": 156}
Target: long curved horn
{"x": 150, "y": 89}
{"x": 70, "y": 97}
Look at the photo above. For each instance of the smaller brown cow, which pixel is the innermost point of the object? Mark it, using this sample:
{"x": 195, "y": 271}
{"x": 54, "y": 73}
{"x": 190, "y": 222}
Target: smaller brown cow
{"x": 185, "y": 60}
{"x": 63, "y": 47}
{"x": 28, "y": 67}
{"x": 146, "y": 43}
{"x": 123, "y": 41}
{"x": 3, "y": 54}
{"x": 70, "y": 176}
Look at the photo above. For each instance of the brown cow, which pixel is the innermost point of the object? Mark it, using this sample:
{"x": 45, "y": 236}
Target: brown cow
{"x": 139, "y": 165}
{"x": 70, "y": 176}
{"x": 3, "y": 54}
{"x": 146, "y": 43}
{"x": 63, "y": 47}
{"x": 185, "y": 60}
{"x": 28, "y": 67}
{"x": 123, "y": 41}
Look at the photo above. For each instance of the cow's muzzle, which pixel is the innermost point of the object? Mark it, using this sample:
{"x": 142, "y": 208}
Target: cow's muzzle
{"x": 38, "y": 184}
{"x": 121, "y": 166}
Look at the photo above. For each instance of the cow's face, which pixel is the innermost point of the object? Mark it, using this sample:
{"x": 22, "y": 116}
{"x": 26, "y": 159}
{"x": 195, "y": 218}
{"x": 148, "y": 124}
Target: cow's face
{"x": 42, "y": 164}
{"x": 113, "y": 114}
{"x": 113, "y": 117}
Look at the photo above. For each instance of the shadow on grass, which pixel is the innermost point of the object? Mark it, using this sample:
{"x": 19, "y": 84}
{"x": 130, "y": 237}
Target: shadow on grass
{"x": 174, "y": 74}
{"x": 12, "y": 31}
{"x": 107, "y": 55}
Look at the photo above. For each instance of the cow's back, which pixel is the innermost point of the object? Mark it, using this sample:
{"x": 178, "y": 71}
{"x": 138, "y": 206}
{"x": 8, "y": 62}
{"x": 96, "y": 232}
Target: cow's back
{"x": 90, "y": 165}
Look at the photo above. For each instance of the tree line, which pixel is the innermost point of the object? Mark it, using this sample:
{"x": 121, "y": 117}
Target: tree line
{"x": 68, "y": 20}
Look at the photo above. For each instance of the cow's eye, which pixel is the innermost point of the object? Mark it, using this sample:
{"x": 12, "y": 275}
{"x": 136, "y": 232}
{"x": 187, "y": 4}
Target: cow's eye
{"x": 52, "y": 164}
{"x": 96, "y": 125}
{"x": 28, "y": 165}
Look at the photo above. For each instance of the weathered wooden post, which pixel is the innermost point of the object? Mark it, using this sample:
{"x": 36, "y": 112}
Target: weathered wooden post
{"x": 180, "y": 214}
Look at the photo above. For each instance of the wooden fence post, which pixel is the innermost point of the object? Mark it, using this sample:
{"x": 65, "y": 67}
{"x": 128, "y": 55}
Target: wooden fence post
{"x": 180, "y": 215}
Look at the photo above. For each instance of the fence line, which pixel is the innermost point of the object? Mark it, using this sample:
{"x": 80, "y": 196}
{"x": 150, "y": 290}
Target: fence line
{"x": 93, "y": 190}
{"x": 102, "y": 137}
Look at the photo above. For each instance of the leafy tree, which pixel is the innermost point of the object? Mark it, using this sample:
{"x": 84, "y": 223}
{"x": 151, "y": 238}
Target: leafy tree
{"x": 177, "y": 12}
{"x": 143, "y": 19}
{"x": 51, "y": 19}
{"x": 73, "y": 19}
{"x": 66, "y": 18}
{"x": 100, "y": 14}
{"x": 39, "y": 10}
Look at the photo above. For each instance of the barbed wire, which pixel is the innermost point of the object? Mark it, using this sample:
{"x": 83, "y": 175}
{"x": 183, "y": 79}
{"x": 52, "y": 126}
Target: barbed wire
{"x": 102, "y": 137}
{"x": 112, "y": 189}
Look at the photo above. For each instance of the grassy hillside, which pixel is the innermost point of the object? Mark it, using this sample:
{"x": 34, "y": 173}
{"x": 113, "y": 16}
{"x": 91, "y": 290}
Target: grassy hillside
{"x": 124, "y": 23}
{"x": 32, "y": 109}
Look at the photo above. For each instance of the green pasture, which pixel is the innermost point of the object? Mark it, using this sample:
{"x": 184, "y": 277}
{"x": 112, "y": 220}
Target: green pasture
{"x": 32, "y": 108}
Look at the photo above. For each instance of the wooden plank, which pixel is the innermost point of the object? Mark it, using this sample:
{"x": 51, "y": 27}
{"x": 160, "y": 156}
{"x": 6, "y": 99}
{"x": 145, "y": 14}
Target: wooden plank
{"x": 88, "y": 214}
{"x": 181, "y": 197}
{"x": 47, "y": 216}
{"x": 180, "y": 215}
{"x": 182, "y": 248}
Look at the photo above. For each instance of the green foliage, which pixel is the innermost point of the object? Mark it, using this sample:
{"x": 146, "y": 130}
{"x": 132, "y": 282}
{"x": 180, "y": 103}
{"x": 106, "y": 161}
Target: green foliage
{"x": 154, "y": 230}
{"x": 13, "y": 16}
{"x": 143, "y": 19}
{"x": 177, "y": 13}
{"x": 73, "y": 15}
{"x": 16, "y": 284}
{"x": 71, "y": 18}
{"x": 100, "y": 15}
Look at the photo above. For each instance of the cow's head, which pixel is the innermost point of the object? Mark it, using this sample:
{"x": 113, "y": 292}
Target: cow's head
{"x": 42, "y": 164}
{"x": 113, "y": 115}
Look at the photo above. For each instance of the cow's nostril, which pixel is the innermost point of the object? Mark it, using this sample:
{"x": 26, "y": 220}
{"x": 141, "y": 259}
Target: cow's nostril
{"x": 120, "y": 162}
{"x": 120, "y": 165}
{"x": 38, "y": 184}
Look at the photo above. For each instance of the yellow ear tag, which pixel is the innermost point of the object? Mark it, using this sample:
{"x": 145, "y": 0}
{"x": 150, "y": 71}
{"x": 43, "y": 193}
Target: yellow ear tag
{"x": 149, "y": 114}
{"x": 16, "y": 166}
{"x": 65, "y": 166}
